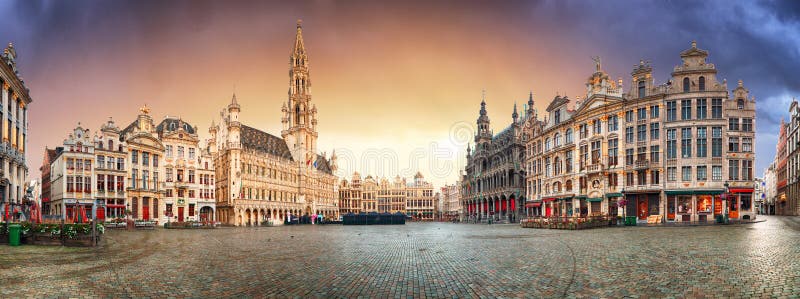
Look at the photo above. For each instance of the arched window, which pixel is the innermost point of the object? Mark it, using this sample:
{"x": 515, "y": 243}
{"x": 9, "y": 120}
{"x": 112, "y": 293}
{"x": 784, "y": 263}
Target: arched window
{"x": 547, "y": 144}
{"x": 686, "y": 84}
{"x": 557, "y": 140}
{"x": 701, "y": 83}
{"x": 100, "y": 144}
{"x": 568, "y": 136}
{"x": 641, "y": 89}
{"x": 740, "y": 104}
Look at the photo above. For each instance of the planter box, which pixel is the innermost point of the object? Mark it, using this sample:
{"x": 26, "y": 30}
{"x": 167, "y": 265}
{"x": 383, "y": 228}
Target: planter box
{"x": 80, "y": 241}
{"x": 46, "y": 239}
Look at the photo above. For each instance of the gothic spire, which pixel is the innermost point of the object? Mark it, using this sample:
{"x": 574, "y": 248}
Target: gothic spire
{"x": 299, "y": 46}
{"x": 530, "y": 104}
{"x": 515, "y": 115}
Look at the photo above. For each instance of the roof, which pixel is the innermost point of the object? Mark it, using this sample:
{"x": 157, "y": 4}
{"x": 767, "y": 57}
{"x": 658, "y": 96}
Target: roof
{"x": 171, "y": 124}
{"x": 264, "y": 142}
{"x": 323, "y": 165}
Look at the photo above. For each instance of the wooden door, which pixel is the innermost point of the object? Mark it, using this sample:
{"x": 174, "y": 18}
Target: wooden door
{"x": 642, "y": 208}
{"x": 180, "y": 214}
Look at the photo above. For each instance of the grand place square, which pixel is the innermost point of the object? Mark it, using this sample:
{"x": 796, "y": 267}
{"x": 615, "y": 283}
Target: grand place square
{"x": 414, "y": 149}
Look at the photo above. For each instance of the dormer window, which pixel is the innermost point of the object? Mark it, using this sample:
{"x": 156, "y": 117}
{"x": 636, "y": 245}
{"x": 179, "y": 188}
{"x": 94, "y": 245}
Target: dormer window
{"x": 701, "y": 83}
{"x": 641, "y": 89}
{"x": 740, "y": 104}
{"x": 557, "y": 117}
{"x": 686, "y": 84}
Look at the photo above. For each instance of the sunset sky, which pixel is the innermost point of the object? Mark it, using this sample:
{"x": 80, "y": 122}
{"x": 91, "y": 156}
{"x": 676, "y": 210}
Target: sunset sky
{"x": 389, "y": 78}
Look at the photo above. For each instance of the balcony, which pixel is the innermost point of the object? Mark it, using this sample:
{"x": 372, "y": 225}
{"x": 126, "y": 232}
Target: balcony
{"x": 641, "y": 164}
{"x": 593, "y": 168}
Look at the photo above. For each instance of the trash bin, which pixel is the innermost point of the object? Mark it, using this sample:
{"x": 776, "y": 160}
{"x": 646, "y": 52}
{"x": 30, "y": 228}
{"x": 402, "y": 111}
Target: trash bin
{"x": 630, "y": 221}
{"x": 13, "y": 234}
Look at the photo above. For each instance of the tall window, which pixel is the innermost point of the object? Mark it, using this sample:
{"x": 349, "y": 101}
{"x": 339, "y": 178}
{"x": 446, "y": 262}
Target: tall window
{"x": 702, "y": 173}
{"x": 686, "y": 173}
{"x": 629, "y": 156}
{"x": 701, "y": 83}
{"x": 629, "y": 135}
{"x": 168, "y": 151}
{"x": 557, "y": 139}
{"x": 702, "y": 108}
{"x": 629, "y": 116}
{"x": 584, "y": 130}
{"x": 547, "y": 144}
{"x": 672, "y": 110}
{"x": 145, "y": 179}
{"x": 654, "y": 153}
{"x": 716, "y": 172}
{"x": 641, "y": 177}
{"x": 547, "y": 167}
{"x": 568, "y": 161}
{"x": 702, "y": 142}
{"x": 169, "y": 174}
{"x": 641, "y": 113}
{"x": 595, "y": 151}
{"x": 134, "y": 157}
{"x": 191, "y": 153}
{"x": 733, "y": 170}
{"x": 686, "y": 84}
{"x": 747, "y": 170}
{"x": 672, "y": 149}
{"x": 613, "y": 148}
{"x": 686, "y": 109}
{"x": 654, "y": 131}
{"x": 686, "y": 142}
{"x": 641, "y": 132}
{"x": 733, "y": 144}
{"x": 716, "y": 108}
{"x": 641, "y": 89}
{"x": 597, "y": 126}
{"x": 740, "y": 104}
{"x": 557, "y": 116}
{"x": 672, "y": 174}
{"x": 641, "y": 153}
{"x": 180, "y": 152}
{"x": 655, "y": 178}
{"x": 613, "y": 123}
{"x": 716, "y": 142}
{"x": 568, "y": 136}
{"x": 654, "y": 111}
{"x": 145, "y": 158}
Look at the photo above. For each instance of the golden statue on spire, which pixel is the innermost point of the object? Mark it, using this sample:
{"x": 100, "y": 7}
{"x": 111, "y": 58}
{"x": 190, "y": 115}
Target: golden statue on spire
{"x": 144, "y": 109}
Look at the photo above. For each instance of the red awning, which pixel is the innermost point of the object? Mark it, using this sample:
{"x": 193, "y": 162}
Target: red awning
{"x": 533, "y": 204}
{"x": 741, "y": 190}
{"x": 549, "y": 199}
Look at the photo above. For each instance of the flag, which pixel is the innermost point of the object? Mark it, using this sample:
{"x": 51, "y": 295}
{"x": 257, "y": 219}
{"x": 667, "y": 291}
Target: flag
{"x": 315, "y": 164}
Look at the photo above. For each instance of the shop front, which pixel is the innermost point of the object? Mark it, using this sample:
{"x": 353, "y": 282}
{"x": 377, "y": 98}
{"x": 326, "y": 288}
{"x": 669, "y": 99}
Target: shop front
{"x": 740, "y": 203}
{"x": 643, "y": 205}
{"x": 694, "y": 205}
{"x": 550, "y": 207}
{"x": 613, "y": 206}
{"x": 533, "y": 208}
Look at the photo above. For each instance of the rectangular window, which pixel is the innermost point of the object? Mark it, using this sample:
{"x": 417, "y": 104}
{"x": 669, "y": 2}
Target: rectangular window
{"x": 191, "y": 176}
{"x": 702, "y": 142}
{"x": 110, "y": 183}
{"x": 654, "y": 111}
{"x": 613, "y": 148}
{"x": 641, "y": 133}
{"x": 641, "y": 113}
{"x": 716, "y": 108}
{"x": 686, "y": 173}
{"x": 672, "y": 110}
{"x": 654, "y": 153}
{"x": 629, "y": 156}
{"x": 733, "y": 170}
{"x": 747, "y": 170}
{"x": 629, "y": 135}
{"x": 191, "y": 153}
{"x": 733, "y": 144}
{"x": 716, "y": 172}
{"x": 597, "y": 126}
{"x": 672, "y": 174}
{"x": 641, "y": 177}
{"x": 686, "y": 142}
{"x": 168, "y": 151}
{"x": 629, "y": 179}
{"x": 568, "y": 161}
{"x": 702, "y": 173}
{"x": 155, "y": 160}
{"x": 120, "y": 183}
{"x": 686, "y": 109}
{"x": 613, "y": 123}
{"x": 747, "y": 144}
{"x": 733, "y": 124}
{"x": 120, "y": 163}
{"x": 145, "y": 158}
{"x": 655, "y": 177}
{"x": 70, "y": 184}
{"x": 191, "y": 209}
{"x": 655, "y": 131}
{"x": 702, "y": 109}
{"x": 716, "y": 142}
{"x": 101, "y": 161}
{"x": 134, "y": 157}
{"x": 101, "y": 182}
{"x": 629, "y": 116}
{"x": 596, "y": 152}
{"x": 672, "y": 148}
{"x": 747, "y": 124}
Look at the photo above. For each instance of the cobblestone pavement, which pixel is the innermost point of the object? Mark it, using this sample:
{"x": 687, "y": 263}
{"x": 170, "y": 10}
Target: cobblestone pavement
{"x": 418, "y": 260}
